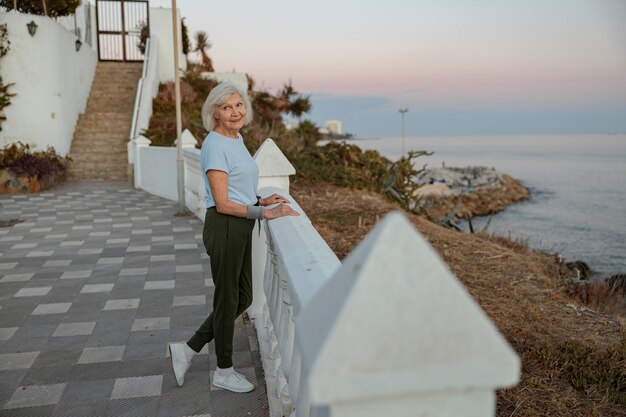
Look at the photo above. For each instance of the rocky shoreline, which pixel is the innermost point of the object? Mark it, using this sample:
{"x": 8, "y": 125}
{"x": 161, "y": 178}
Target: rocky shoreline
{"x": 479, "y": 191}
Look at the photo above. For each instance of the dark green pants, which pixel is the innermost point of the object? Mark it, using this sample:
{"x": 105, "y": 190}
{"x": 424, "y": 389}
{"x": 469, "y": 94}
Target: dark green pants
{"x": 228, "y": 241}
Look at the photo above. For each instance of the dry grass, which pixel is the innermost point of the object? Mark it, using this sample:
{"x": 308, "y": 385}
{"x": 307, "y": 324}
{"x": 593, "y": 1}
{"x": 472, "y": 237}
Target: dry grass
{"x": 573, "y": 358}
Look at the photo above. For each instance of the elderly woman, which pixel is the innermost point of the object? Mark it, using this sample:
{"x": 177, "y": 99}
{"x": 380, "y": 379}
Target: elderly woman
{"x": 231, "y": 182}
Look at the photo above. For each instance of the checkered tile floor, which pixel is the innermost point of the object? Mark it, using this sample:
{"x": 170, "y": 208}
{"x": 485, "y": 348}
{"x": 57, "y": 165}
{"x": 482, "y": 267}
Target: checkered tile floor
{"x": 94, "y": 282}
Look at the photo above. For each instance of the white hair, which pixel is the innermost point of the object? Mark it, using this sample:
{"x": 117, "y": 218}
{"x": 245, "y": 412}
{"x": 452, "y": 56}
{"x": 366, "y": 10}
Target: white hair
{"x": 220, "y": 95}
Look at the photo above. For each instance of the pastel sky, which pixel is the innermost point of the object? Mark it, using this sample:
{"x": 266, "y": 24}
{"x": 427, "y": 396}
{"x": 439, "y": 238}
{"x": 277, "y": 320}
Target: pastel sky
{"x": 461, "y": 67}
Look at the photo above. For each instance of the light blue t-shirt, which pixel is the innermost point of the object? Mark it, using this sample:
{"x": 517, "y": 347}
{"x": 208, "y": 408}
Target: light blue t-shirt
{"x": 231, "y": 156}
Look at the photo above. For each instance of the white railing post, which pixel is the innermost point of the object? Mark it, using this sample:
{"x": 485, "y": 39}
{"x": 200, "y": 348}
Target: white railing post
{"x": 134, "y": 152}
{"x": 189, "y": 140}
{"x": 194, "y": 177}
{"x": 394, "y": 333}
{"x": 274, "y": 171}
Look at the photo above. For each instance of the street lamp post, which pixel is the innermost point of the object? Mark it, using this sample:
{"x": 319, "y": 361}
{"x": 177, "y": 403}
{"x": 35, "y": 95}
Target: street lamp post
{"x": 402, "y": 112}
{"x": 179, "y": 161}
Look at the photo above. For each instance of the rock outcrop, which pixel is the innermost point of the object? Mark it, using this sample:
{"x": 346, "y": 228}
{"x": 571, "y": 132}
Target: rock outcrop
{"x": 481, "y": 191}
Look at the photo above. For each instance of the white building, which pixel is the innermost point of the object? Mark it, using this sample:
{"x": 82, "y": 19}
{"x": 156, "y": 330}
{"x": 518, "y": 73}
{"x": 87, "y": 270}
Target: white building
{"x": 333, "y": 126}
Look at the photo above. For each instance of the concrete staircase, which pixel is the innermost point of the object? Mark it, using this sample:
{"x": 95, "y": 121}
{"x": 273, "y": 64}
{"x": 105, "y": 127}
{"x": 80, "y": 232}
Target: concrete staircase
{"x": 99, "y": 147}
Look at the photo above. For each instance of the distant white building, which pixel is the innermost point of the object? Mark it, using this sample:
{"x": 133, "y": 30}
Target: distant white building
{"x": 333, "y": 126}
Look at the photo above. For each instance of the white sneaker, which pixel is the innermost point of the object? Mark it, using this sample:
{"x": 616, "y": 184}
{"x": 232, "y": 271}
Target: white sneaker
{"x": 180, "y": 364}
{"x": 232, "y": 381}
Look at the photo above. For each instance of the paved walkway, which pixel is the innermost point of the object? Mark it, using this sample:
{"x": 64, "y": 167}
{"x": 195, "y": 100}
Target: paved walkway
{"x": 93, "y": 284}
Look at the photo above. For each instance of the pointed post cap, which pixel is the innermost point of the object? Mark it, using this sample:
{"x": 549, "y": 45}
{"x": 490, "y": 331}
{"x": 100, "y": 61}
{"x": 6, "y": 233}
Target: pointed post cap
{"x": 189, "y": 140}
{"x": 394, "y": 320}
{"x": 141, "y": 140}
{"x": 272, "y": 161}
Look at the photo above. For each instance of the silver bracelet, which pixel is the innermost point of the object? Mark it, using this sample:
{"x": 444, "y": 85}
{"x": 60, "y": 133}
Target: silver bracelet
{"x": 255, "y": 212}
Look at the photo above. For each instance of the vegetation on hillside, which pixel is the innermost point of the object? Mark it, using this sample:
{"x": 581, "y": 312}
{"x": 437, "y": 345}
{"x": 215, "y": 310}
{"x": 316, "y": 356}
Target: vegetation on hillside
{"x": 53, "y": 8}
{"x": 338, "y": 163}
{"x": 573, "y": 356}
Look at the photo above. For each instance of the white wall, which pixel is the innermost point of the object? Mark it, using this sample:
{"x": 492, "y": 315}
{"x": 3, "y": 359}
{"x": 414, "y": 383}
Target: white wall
{"x": 52, "y": 82}
{"x": 161, "y": 30}
{"x": 156, "y": 168}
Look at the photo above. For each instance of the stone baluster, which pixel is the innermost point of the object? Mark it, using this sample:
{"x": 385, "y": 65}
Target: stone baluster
{"x": 274, "y": 171}
{"x": 394, "y": 333}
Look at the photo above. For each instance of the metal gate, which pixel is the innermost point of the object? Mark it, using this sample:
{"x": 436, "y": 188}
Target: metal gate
{"x": 119, "y": 24}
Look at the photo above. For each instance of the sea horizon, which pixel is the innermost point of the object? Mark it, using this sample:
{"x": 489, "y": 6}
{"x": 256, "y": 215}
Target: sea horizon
{"x": 577, "y": 197}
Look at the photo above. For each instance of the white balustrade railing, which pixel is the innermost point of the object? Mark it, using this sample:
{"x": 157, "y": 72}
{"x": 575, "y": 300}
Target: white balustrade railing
{"x": 194, "y": 183}
{"x": 390, "y": 332}
{"x": 147, "y": 89}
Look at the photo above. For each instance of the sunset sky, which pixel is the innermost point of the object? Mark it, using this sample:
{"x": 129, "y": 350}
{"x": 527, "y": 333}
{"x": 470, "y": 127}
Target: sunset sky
{"x": 462, "y": 67}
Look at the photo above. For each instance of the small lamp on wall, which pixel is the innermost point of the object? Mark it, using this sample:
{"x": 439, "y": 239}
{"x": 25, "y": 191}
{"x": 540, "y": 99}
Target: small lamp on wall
{"x": 32, "y": 27}
{"x": 78, "y": 45}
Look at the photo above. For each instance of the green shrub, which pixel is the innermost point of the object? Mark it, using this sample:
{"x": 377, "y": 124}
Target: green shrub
{"x": 20, "y": 159}
{"x": 348, "y": 165}
{"x": 337, "y": 163}
{"x": 55, "y": 8}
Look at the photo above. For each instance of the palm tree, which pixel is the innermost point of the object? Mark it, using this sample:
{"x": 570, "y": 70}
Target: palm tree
{"x": 290, "y": 101}
{"x": 308, "y": 133}
{"x": 203, "y": 45}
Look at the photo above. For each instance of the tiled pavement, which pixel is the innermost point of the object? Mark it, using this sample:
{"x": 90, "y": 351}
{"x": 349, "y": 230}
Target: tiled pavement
{"x": 93, "y": 284}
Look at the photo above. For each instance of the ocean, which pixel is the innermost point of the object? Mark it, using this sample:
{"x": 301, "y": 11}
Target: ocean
{"x": 577, "y": 184}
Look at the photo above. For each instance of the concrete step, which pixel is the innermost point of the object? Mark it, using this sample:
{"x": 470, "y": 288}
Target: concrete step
{"x": 97, "y": 136}
{"x": 106, "y": 115}
{"x": 112, "y": 93}
{"x": 99, "y": 166}
{"x": 92, "y": 122}
{"x": 118, "y": 98}
{"x": 98, "y": 155}
{"x": 83, "y": 160}
{"x": 95, "y": 146}
{"x": 81, "y": 145}
{"x": 105, "y": 88}
{"x": 104, "y": 68}
{"x": 116, "y": 79}
{"x": 80, "y": 152}
{"x": 113, "y": 128}
{"x": 109, "y": 105}
{"x": 102, "y": 163}
{"x": 98, "y": 176}
{"x": 101, "y": 139}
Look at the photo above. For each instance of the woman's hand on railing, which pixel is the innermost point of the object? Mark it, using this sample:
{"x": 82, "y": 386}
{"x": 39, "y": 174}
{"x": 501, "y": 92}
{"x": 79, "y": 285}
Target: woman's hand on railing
{"x": 279, "y": 211}
{"x": 273, "y": 199}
